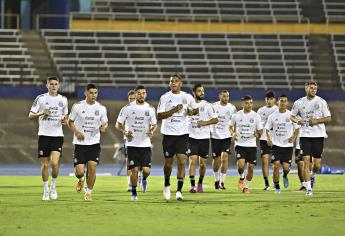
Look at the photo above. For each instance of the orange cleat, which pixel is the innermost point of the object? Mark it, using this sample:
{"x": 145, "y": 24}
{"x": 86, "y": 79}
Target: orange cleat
{"x": 240, "y": 184}
{"x": 79, "y": 186}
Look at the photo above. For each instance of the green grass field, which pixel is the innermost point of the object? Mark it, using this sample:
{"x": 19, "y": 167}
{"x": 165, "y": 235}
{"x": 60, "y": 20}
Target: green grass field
{"x": 212, "y": 213}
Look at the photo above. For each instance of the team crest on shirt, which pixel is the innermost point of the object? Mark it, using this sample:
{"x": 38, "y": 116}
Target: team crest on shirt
{"x": 147, "y": 113}
{"x": 276, "y": 119}
{"x": 316, "y": 106}
{"x": 287, "y": 120}
{"x": 251, "y": 120}
{"x": 202, "y": 109}
{"x": 184, "y": 101}
{"x": 97, "y": 112}
{"x": 60, "y": 104}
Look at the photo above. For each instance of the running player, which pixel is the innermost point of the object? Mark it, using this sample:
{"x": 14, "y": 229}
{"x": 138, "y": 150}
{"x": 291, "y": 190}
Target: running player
{"x": 221, "y": 138}
{"x": 87, "y": 120}
{"x": 199, "y": 137}
{"x": 51, "y": 110}
{"x": 314, "y": 113}
{"x": 173, "y": 108}
{"x": 245, "y": 127}
{"x": 264, "y": 112}
{"x": 281, "y": 135}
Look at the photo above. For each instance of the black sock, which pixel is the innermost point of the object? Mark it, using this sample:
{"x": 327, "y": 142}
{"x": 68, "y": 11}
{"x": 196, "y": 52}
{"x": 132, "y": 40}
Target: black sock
{"x": 201, "y": 178}
{"x": 266, "y": 181}
{"x": 166, "y": 181}
{"x": 144, "y": 177}
{"x": 134, "y": 190}
{"x": 276, "y": 185}
{"x": 179, "y": 184}
{"x": 285, "y": 175}
{"x": 242, "y": 178}
{"x": 192, "y": 180}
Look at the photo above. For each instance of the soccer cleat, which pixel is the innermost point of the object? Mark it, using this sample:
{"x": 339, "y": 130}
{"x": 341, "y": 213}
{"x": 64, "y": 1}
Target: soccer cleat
{"x": 302, "y": 188}
{"x": 216, "y": 184}
{"x": 286, "y": 182}
{"x": 53, "y": 194}
{"x": 245, "y": 190}
{"x": 80, "y": 185}
{"x": 87, "y": 197}
{"x": 134, "y": 197}
{"x": 200, "y": 190}
{"x": 222, "y": 186}
{"x": 240, "y": 184}
{"x": 277, "y": 191}
{"x": 312, "y": 181}
{"x": 144, "y": 185}
{"x": 45, "y": 196}
{"x": 309, "y": 193}
{"x": 167, "y": 193}
{"x": 267, "y": 187}
{"x": 179, "y": 196}
{"x": 192, "y": 189}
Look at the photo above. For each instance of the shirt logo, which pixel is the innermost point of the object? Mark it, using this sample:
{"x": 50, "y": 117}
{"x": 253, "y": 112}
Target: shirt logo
{"x": 251, "y": 120}
{"x": 60, "y": 104}
{"x": 317, "y": 106}
{"x": 83, "y": 112}
{"x": 147, "y": 113}
{"x": 133, "y": 113}
{"x": 97, "y": 112}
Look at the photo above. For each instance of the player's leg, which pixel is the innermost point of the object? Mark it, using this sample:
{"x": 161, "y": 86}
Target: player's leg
{"x": 168, "y": 151}
{"x": 223, "y": 169}
{"x": 91, "y": 179}
{"x": 250, "y": 157}
{"x": 145, "y": 166}
{"x": 317, "y": 150}
{"x": 265, "y": 157}
{"x": 241, "y": 161}
{"x": 215, "y": 161}
{"x": 146, "y": 173}
{"x": 128, "y": 173}
{"x": 202, "y": 172}
{"x": 192, "y": 171}
{"x": 286, "y": 156}
{"x": 276, "y": 167}
{"x": 306, "y": 146}
{"x": 181, "y": 147}
{"x": 55, "y": 157}
{"x": 79, "y": 159}
{"x": 45, "y": 176}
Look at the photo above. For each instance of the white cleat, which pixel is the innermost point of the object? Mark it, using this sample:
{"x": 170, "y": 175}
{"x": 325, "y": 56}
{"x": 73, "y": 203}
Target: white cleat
{"x": 134, "y": 197}
{"x": 45, "y": 196}
{"x": 166, "y": 193}
{"x": 53, "y": 194}
{"x": 179, "y": 196}
{"x": 309, "y": 193}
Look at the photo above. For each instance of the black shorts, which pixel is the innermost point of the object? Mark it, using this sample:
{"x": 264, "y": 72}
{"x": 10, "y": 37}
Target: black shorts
{"x": 84, "y": 153}
{"x": 264, "y": 148}
{"x": 175, "y": 144}
{"x": 47, "y": 144}
{"x": 247, "y": 153}
{"x": 312, "y": 147}
{"x": 219, "y": 146}
{"x": 298, "y": 156}
{"x": 282, "y": 154}
{"x": 198, "y": 147}
{"x": 138, "y": 157}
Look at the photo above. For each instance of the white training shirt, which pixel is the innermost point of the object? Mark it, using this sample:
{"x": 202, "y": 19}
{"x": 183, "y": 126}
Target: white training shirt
{"x": 281, "y": 128}
{"x": 264, "y": 113}
{"x": 206, "y": 112}
{"x": 87, "y": 119}
{"x": 50, "y": 125}
{"x": 246, "y": 124}
{"x": 316, "y": 108}
{"x": 177, "y": 124}
{"x": 138, "y": 118}
{"x": 224, "y": 112}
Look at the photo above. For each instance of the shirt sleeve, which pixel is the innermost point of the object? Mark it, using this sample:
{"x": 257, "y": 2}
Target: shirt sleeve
{"x": 325, "y": 109}
{"x": 233, "y": 120}
{"x": 211, "y": 112}
{"x": 259, "y": 125}
{"x": 269, "y": 124}
{"x": 122, "y": 116}
{"x": 161, "y": 105}
{"x": 36, "y": 105}
{"x": 153, "y": 120}
{"x": 74, "y": 112}
{"x": 191, "y": 102}
{"x": 295, "y": 108}
{"x": 65, "y": 108}
{"x": 104, "y": 117}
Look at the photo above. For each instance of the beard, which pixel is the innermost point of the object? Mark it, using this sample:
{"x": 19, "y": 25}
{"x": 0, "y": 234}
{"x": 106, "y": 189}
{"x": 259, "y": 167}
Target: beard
{"x": 199, "y": 97}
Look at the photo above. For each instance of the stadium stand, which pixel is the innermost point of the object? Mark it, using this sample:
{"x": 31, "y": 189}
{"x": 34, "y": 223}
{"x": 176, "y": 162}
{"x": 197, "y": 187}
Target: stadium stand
{"x": 16, "y": 67}
{"x": 226, "y": 60}
{"x": 334, "y": 10}
{"x": 200, "y": 10}
{"x": 338, "y": 42}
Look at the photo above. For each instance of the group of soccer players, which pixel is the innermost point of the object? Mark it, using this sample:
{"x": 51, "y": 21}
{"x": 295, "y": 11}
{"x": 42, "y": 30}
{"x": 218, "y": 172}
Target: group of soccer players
{"x": 189, "y": 124}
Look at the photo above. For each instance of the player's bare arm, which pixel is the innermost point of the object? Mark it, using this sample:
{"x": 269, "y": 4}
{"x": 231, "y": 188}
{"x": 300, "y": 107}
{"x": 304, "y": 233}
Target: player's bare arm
{"x": 323, "y": 120}
{"x": 33, "y": 115}
{"x": 212, "y": 121}
{"x": 79, "y": 135}
{"x": 103, "y": 128}
{"x": 269, "y": 140}
{"x": 233, "y": 133}
{"x": 258, "y": 133}
{"x": 193, "y": 112}
{"x": 294, "y": 136}
{"x": 127, "y": 133}
{"x": 167, "y": 114}
{"x": 152, "y": 130}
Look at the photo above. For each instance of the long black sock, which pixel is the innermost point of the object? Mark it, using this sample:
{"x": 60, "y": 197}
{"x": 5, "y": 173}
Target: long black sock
{"x": 266, "y": 181}
{"x": 201, "y": 178}
{"x": 166, "y": 181}
{"x": 192, "y": 180}
{"x": 144, "y": 177}
{"x": 285, "y": 175}
{"x": 134, "y": 190}
{"x": 179, "y": 184}
{"x": 276, "y": 185}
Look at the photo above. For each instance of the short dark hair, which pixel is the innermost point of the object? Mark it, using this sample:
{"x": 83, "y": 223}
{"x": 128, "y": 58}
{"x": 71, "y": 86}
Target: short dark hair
{"x": 246, "y": 98}
{"x": 130, "y": 92}
{"x": 270, "y": 94}
{"x": 50, "y": 78}
{"x": 311, "y": 82}
{"x": 223, "y": 91}
{"x": 91, "y": 86}
{"x": 176, "y": 75}
{"x": 139, "y": 87}
{"x": 195, "y": 87}
{"x": 283, "y": 96}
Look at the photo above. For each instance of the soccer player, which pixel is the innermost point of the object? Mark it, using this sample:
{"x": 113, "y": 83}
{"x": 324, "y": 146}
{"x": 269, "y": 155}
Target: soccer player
{"x": 264, "y": 112}
{"x": 173, "y": 108}
{"x": 51, "y": 110}
{"x": 87, "y": 120}
{"x": 137, "y": 121}
{"x": 199, "y": 137}
{"x": 281, "y": 134}
{"x": 314, "y": 114}
{"x": 221, "y": 138}
{"x": 245, "y": 127}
